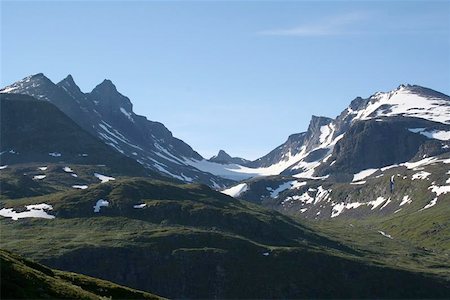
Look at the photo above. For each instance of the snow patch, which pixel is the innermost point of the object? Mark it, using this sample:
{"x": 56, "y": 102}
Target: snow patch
{"x": 385, "y": 234}
{"x": 103, "y": 178}
{"x": 386, "y": 203}
{"x": 406, "y": 200}
{"x": 236, "y": 190}
{"x": 376, "y": 203}
{"x": 435, "y": 134}
{"x": 67, "y": 170}
{"x": 127, "y": 114}
{"x": 81, "y": 187}
{"x": 39, "y": 177}
{"x": 363, "y": 174}
{"x": 406, "y": 103}
{"x": 438, "y": 190}
{"x": 140, "y": 205}
{"x": 421, "y": 175}
{"x": 339, "y": 208}
{"x": 100, "y": 203}
{"x": 33, "y": 211}
{"x": 274, "y": 193}
{"x": 358, "y": 182}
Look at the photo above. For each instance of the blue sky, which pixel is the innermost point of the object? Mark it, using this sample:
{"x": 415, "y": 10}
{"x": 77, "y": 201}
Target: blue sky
{"x": 239, "y": 76}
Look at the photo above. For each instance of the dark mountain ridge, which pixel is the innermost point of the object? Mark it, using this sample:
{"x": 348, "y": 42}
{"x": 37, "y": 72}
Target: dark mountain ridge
{"x": 107, "y": 114}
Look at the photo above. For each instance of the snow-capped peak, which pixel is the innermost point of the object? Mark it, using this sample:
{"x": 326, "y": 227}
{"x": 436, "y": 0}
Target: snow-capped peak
{"x": 406, "y": 100}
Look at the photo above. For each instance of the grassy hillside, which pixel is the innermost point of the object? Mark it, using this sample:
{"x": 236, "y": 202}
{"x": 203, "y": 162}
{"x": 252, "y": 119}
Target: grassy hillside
{"x": 418, "y": 241}
{"x": 24, "y": 279}
{"x": 189, "y": 241}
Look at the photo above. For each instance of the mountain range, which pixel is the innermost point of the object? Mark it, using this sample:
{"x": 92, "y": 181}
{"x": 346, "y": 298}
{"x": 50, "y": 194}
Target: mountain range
{"x": 108, "y": 115}
{"x": 334, "y": 167}
{"x": 354, "y": 207}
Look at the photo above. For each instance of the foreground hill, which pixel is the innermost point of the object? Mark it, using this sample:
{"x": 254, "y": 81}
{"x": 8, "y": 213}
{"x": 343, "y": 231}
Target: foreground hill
{"x": 188, "y": 241}
{"x": 24, "y": 279}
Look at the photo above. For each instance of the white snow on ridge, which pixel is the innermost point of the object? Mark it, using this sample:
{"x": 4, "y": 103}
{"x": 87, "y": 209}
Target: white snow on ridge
{"x": 67, "y": 170}
{"x": 231, "y": 171}
{"x": 282, "y": 187}
{"x": 403, "y": 102}
{"x": 127, "y": 114}
{"x": 339, "y": 208}
{"x": 416, "y": 130}
{"x": 438, "y": 190}
{"x": 9, "y": 89}
{"x": 385, "y": 234}
{"x": 3, "y": 167}
{"x": 376, "y": 203}
{"x": 238, "y": 172}
{"x": 117, "y": 135}
{"x": 435, "y": 134}
{"x": 406, "y": 200}
{"x": 421, "y": 175}
{"x": 33, "y": 211}
{"x": 363, "y": 174}
{"x": 235, "y": 191}
{"x": 103, "y": 178}
{"x": 39, "y": 206}
{"x": 160, "y": 168}
{"x": 54, "y": 154}
{"x": 100, "y": 203}
{"x": 39, "y": 177}
{"x": 164, "y": 153}
{"x": 81, "y": 187}
{"x": 326, "y": 134}
{"x": 386, "y": 203}
{"x": 432, "y": 203}
{"x": 358, "y": 182}
{"x": 138, "y": 206}
{"x": 304, "y": 198}
{"x": 297, "y": 184}
{"x": 43, "y": 168}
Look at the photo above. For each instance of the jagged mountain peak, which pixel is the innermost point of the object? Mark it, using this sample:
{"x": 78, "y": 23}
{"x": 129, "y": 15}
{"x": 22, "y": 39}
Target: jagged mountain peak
{"x": 32, "y": 80}
{"x": 108, "y": 115}
{"x": 224, "y": 158}
{"x": 68, "y": 80}
{"x": 106, "y": 85}
{"x": 221, "y": 155}
{"x": 317, "y": 121}
{"x": 107, "y": 96}
{"x": 37, "y": 76}
{"x": 69, "y": 85}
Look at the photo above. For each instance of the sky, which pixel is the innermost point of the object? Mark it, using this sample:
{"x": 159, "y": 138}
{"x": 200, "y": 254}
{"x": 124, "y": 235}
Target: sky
{"x": 234, "y": 75}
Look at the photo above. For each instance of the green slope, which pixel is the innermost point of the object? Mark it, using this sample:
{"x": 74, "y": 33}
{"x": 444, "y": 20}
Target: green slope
{"x": 24, "y": 279}
{"x": 419, "y": 241}
{"x": 192, "y": 242}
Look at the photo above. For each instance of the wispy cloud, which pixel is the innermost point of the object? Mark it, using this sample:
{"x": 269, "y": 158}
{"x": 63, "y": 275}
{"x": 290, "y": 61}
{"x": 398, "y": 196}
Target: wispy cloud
{"x": 334, "y": 25}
